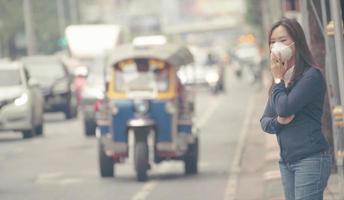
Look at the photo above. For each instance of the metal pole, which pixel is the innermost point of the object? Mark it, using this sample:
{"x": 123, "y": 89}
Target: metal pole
{"x": 305, "y": 20}
{"x": 1, "y": 52}
{"x": 333, "y": 92}
{"x": 61, "y": 16}
{"x": 29, "y": 27}
{"x": 73, "y": 11}
{"x": 338, "y": 36}
{"x": 331, "y": 61}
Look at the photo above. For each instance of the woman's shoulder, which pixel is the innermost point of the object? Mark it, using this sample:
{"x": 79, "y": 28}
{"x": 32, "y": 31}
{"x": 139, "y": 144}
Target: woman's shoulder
{"x": 313, "y": 72}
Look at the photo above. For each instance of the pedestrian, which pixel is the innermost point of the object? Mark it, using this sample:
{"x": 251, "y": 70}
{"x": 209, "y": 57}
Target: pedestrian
{"x": 293, "y": 113}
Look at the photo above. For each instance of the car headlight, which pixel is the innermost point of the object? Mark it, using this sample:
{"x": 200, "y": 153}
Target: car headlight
{"x": 141, "y": 106}
{"x": 61, "y": 87}
{"x": 212, "y": 77}
{"x": 21, "y": 100}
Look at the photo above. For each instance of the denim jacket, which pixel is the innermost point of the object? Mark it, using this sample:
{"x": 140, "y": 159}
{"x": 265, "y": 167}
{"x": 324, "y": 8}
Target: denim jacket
{"x": 302, "y": 137}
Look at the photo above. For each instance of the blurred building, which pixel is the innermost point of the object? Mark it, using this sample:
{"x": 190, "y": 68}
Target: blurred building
{"x": 201, "y": 15}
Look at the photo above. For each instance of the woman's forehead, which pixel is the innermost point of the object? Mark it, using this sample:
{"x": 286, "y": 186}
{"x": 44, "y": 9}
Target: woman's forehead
{"x": 279, "y": 32}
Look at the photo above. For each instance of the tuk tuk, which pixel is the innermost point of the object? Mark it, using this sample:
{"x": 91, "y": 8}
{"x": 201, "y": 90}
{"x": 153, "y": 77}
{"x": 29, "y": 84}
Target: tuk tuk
{"x": 145, "y": 98}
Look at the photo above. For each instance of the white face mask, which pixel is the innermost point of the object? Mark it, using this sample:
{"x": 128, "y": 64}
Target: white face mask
{"x": 278, "y": 48}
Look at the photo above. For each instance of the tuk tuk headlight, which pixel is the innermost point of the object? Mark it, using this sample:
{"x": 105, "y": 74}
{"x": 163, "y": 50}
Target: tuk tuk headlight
{"x": 141, "y": 106}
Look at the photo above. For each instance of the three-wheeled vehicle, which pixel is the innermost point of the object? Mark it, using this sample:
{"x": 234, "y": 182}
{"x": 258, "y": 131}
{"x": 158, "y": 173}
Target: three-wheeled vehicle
{"x": 144, "y": 98}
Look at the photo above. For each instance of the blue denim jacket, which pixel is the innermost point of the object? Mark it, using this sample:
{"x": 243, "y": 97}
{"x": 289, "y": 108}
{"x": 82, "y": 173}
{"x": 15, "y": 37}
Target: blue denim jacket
{"x": 302, "y": 137}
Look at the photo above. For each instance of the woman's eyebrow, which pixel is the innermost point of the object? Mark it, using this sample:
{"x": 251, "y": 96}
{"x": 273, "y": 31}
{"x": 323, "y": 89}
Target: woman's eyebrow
{"x": 282, "y": 37}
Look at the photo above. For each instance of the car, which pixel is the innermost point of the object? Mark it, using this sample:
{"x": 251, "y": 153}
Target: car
{"x": 92, "y": 94}
{"x": 56, "y": 84}
{"x": 21, "y": 101}
{"x": 205, "y": 71}
{"x": 248, "y": 61}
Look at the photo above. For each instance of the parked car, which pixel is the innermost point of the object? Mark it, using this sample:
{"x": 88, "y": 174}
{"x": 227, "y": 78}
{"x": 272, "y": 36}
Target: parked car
{"x": 92, "y": 94}
{"x": 21, "y": 101}
{"x": 56, "y": 84}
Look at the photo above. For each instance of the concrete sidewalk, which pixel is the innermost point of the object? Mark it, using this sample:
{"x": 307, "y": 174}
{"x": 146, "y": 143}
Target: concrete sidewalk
{"x": 260, "y": 178}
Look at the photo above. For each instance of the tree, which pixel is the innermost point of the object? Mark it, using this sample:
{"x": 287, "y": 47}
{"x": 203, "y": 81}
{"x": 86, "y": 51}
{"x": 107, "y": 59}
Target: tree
{"x": 12, "y": 24}
{"x": 45, "y": 22}
{"x": 254, "y": 17}
{"x": 46, "y": 25}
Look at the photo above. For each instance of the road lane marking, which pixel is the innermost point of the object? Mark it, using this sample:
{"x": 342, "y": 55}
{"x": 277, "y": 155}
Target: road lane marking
{"x": 231, "y": 188}
{"x": 148, "y": 187}
{"x": 56, "y": 178}
{"x": 145, "y": 190}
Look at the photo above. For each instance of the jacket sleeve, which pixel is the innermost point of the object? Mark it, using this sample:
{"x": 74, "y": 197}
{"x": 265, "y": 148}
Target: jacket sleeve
{"x": 269, "y": 121}
{"x": 306, "y": 89}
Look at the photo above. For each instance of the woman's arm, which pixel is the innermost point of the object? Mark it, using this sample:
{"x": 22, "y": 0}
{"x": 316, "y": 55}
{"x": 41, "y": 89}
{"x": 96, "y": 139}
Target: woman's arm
{"x": 269, "y": 121}
{"x": 300, "y": 95}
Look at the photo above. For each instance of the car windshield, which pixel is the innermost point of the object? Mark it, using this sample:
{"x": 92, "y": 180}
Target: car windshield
{"x": 134, "y": 76}
{"x": 9, "y": 77}
{"x": 45, "y": 70}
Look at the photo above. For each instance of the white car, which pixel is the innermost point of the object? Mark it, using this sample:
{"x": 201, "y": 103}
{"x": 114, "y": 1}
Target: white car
{"x": 21, "y": 101}
{"x": 204, "y": 71}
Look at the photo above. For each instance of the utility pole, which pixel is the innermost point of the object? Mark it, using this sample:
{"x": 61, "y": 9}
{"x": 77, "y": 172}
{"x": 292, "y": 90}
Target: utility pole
{"x": 305, "y": 20}
{"x": 335, "y": 8}
{"x": 1, "y": 52}
{"x": 29, "y": 28}
{"x": 61, "y": 18}
{"x": 338, "y": 36}
{"x": 73, "y": 11}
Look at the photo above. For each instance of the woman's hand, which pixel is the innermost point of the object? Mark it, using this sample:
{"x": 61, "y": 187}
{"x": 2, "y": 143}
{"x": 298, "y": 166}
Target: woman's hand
{"x": 276, "y": 67}
{"x": 285, "y": 120}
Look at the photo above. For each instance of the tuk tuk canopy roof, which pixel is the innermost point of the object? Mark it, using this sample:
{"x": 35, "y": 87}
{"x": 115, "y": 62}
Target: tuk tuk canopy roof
{"x": 175, "y": 55}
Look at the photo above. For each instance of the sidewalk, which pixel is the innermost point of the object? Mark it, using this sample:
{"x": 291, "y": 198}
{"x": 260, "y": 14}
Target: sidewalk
{"x": 260, "y": 178}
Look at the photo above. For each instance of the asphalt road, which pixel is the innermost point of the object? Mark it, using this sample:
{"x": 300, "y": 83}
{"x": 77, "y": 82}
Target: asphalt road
{"x": 63, "y": 163}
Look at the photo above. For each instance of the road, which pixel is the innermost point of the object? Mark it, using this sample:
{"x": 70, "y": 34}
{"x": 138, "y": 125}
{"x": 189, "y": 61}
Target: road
{"x": 63, "y": 163}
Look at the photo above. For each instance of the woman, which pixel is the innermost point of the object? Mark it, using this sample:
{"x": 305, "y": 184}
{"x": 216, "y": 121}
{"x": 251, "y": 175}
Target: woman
{"x": 293, "y": 112}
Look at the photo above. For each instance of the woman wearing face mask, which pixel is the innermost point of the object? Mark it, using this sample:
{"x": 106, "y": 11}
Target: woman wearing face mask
{"x": 293, "y": 113}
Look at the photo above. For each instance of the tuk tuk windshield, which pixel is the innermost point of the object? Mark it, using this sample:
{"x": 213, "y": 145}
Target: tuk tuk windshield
{"x": 141, "y": 75}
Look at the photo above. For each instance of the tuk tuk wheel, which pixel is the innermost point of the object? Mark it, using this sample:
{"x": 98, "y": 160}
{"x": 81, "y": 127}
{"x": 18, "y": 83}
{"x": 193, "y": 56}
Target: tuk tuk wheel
{"x": 141, "y": 160}
{"x": 191, "y": 159}
{"x": 106, "y": 163}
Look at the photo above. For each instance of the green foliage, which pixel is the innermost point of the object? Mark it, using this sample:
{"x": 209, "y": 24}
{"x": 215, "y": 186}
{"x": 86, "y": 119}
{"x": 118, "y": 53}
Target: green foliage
{"x": 11, "y": 19}
{"x": 45, "y": 22}
{"x": 254, "y": 18}
{"x": 46, "y": 25}
{"x": 254, "y": 13}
